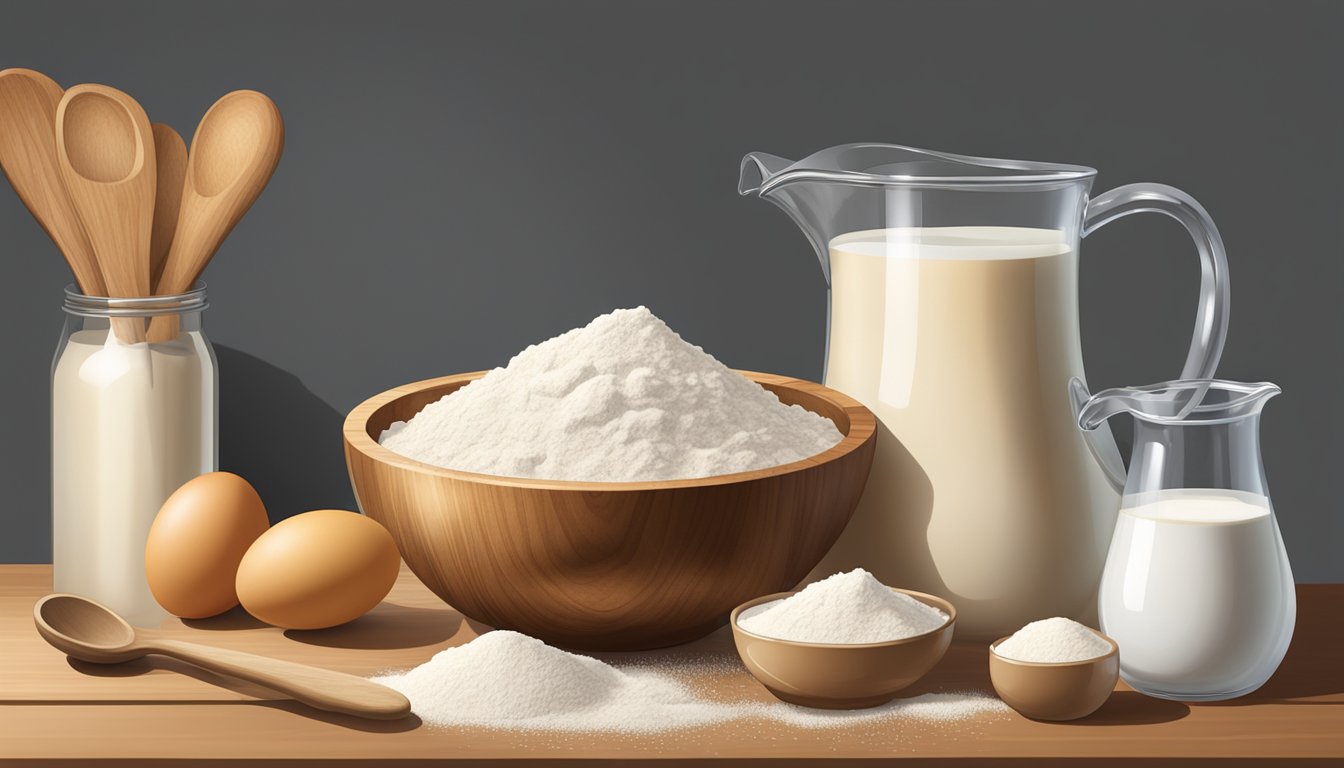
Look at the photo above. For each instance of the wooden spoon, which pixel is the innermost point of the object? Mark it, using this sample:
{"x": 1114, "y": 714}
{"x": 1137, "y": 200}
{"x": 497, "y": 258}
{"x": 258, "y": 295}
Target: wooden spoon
{"x": 28, "y": 102}
{"x": 233, "y": 154}
{"x": 91, "y": 632}
{"x": 105, "y": 151}
{"x": 171, "y": 157}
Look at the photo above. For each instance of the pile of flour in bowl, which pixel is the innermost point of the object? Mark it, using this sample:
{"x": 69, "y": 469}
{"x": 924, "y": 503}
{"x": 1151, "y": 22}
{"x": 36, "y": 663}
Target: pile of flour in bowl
{"x": 509, "y": 681}
{"x": 622, "y": 399}
{"x": 1053, "y": 641}
{"x": 848, "y": 608}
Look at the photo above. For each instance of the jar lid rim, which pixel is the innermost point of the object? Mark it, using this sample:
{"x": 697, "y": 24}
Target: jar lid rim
{"x": 77, "y": 303}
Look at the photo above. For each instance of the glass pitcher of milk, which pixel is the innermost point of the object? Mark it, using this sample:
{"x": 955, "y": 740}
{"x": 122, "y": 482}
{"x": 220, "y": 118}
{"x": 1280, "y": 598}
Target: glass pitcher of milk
{"x": 954, "y": 318}
{"x": 1197, "y": 589}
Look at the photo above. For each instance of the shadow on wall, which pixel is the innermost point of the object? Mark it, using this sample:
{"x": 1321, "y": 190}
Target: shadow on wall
{"x": 284, "y": 439}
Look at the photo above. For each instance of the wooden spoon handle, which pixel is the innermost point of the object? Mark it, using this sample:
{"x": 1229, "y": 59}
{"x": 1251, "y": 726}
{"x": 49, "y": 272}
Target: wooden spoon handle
{"x": 320, "y": 688}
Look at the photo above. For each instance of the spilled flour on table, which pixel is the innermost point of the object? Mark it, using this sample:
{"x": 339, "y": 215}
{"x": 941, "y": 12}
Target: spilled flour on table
{"x": 506, "y": 680}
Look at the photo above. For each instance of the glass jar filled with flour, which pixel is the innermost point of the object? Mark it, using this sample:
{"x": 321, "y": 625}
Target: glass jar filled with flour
{"x": 134, "y": 400}
{"x": 1197, "y": 589}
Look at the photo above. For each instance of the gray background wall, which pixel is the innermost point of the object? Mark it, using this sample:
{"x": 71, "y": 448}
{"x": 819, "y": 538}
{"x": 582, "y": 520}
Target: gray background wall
{"x": 463, "y": 179}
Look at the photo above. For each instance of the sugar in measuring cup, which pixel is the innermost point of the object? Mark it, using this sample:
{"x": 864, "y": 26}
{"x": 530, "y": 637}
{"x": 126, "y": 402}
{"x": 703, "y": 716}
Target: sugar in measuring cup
{"x": 1197, "y": 589}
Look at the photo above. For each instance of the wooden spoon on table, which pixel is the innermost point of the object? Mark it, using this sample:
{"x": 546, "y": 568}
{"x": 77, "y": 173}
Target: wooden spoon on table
{"x": 105, "y": 150}
{"x": 171, "y": 158}
{"x": 233, "y": 154}
{"x": 28, "y": 102}
{"x": 91, "y": 632}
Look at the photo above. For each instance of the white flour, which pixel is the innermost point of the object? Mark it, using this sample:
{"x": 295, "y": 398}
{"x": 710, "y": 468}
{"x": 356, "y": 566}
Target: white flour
{"x": 848, "y": 608}
{"x": 1053, "y": 641}
{"x": 622, "y": 399}
{"x": 506, "y": 680}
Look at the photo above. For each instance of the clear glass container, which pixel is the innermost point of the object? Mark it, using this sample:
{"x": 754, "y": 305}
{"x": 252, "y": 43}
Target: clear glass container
{"x": 1197, "y": 589}
{"x": 134, "y": 403}
{"x": 953, "y": 316}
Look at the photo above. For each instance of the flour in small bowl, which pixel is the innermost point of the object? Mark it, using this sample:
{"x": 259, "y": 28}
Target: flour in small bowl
{"x": 623, "y": 399}
{"x": 847, "y": 608}
{"x": 1053, "y": 641}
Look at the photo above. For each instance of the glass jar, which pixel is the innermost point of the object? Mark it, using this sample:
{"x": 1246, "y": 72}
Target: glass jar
{"x": 134, "y": 415}
{"x": 1197, "y": 589}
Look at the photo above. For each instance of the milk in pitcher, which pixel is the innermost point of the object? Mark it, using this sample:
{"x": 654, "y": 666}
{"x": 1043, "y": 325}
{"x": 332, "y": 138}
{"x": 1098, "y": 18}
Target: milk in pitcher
{"x": 962, "y": 341}
{"x": 1193, "y": 590}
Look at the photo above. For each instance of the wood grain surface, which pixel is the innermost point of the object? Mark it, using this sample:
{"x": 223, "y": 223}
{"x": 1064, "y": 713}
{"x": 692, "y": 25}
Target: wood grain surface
{"x": 609, "y": 566}
{"x": 54, "y": 712}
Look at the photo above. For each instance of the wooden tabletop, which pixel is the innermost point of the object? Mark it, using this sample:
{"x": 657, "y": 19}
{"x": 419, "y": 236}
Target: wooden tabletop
{"x": 54, "y": 711}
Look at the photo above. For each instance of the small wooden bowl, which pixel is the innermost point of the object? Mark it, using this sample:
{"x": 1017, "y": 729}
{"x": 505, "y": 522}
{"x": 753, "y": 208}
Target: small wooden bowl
{"x": 832, "y": 676}
{"x": 1064, "y": 690}
{"x": 609, "y": 566}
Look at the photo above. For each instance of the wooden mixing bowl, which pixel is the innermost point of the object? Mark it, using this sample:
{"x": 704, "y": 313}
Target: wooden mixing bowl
{"x": 609, "y": 566}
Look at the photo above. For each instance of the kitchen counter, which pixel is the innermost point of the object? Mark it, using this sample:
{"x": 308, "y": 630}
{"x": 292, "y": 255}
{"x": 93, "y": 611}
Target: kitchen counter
{"x": 54, "y": 711}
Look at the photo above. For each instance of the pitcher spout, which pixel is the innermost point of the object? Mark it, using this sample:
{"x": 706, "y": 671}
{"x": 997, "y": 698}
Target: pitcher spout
{"x": 758, "y": 168}
{"x": 770, "y": 177}
{"x": 872, "y": 186}
{"x": 871, "y": 164}
{"x": 1185, "y": 401}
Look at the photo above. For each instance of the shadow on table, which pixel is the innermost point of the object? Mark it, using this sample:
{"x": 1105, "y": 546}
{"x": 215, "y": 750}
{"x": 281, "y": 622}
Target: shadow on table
{"x": 1311, "y": 668}
{"x": 150, "y": 664}
{"x": 408, "y": 723}
{"x": 966, "y": 667}
{"x": 1133, "y": 708}
{"x": 231, "y": 620}
{"x": 387, "y": 626}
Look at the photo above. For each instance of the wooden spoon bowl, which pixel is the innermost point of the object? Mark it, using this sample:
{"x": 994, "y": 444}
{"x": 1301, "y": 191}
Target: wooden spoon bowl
{"x": 105, "y": 153}
{"x": 609, "y": 566}
{"x": 28, "y": 102}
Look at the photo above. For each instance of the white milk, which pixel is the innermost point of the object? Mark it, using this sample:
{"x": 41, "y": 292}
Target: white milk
{"x": 1198, "y": 593}
{"x": 130, "y": 423}
{"x": 962, "y": 340}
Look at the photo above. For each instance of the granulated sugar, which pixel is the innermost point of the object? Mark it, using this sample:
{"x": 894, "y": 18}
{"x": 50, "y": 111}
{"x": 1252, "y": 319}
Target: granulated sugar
{"x": 622, "y": 399}
{"x": 1053, "y": 641}
{"x": 848, "y": 608}
{"x": 506, "y": 680}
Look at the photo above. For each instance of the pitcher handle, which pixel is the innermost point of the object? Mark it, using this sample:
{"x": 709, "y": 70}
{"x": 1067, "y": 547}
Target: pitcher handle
{"x": 1206, "y": 345}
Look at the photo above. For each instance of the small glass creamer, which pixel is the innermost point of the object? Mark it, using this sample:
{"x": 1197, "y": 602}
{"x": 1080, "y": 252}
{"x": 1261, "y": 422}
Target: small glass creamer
{"x": 133, "y": 417}
{"x": 1197, "y": 589}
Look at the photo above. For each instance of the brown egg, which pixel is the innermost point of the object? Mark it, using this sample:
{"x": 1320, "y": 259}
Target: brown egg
{"x": 197, "y": 541}
{"x": 318, "y": 569}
